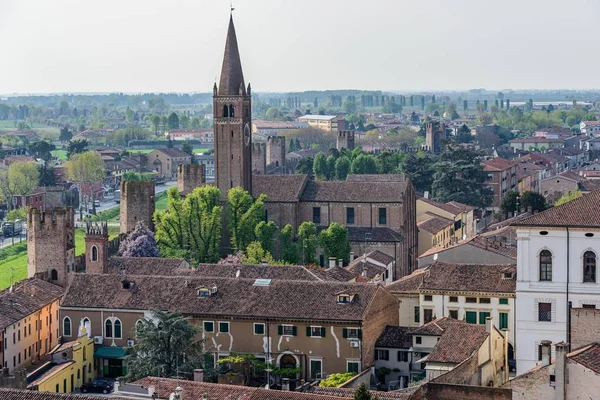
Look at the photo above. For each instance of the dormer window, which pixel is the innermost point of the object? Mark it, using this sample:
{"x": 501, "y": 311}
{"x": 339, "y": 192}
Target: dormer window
{"x": 207, "y": 291}
{"x": 127, "y": 285}
{"x": 344, "y": 298}
{"x": 508, "y": 275}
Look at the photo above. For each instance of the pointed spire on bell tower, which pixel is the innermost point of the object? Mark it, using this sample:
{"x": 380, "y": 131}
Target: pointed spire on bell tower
{"x": 232, "y": 77}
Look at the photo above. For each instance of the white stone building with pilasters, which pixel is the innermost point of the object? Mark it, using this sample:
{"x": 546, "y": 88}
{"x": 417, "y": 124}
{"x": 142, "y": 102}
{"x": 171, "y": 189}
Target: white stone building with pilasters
{"x": 557, "y": 268}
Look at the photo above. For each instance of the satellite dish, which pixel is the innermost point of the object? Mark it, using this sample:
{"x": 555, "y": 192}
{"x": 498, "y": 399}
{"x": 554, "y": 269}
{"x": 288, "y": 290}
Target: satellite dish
{"x": 435, "y": 257}
{"x": 237, "y": 273}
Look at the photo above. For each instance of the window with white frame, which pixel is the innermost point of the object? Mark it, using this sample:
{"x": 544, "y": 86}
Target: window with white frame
{"x": 259, "y": 329}
{"x": 353, "y": 366}
{"x": 224, "y": 327}
{"x": 351, "y": 333}
{"x": 67, "y": 326}
{"x": 112, "y": 328}
{"x": 209, "y": 326}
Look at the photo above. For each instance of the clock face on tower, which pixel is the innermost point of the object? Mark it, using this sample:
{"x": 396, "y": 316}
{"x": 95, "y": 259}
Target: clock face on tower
{"x": 247, "y": 134}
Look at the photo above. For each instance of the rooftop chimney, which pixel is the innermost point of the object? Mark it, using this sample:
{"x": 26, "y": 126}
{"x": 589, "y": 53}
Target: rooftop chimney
{"x": 331, "y": 262}
{"x": 560, "y": 370}
{"x": 199, "y": 375}
{"x": 341, "y": 263}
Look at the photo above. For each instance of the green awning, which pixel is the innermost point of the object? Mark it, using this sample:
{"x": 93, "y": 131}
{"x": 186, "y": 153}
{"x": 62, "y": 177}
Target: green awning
{"x": 110, "y": 352}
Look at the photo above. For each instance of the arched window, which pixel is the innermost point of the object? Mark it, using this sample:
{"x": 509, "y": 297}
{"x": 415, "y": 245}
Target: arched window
{"x": 54, "y": 275}
{"x": 67, "y": 326}
{"x": 225, "y": 111}
{"x": 231, "y": 113}
{"x": 79, "y": 372}
{"x": 589, "y": 266}
{"x": 117, "y": 326}
{"x": 108, "y": 328}
{"x": 94, "y": 253}
{"x": 545, "y": 265}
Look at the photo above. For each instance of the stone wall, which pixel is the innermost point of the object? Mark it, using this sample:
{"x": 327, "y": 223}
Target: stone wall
{"x": 137, "y": 204}
{"x": 345, "y": 140}
{"x": 445, "y": 391}
{"x": 585, "y": 326}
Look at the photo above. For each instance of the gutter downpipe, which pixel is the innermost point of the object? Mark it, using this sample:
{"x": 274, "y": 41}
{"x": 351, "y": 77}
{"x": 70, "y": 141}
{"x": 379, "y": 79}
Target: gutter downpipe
{"x": 568, "y": 335}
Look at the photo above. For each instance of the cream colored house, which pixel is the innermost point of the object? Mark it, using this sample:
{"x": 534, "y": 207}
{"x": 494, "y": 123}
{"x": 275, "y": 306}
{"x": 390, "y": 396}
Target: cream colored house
{"x": 29, "y": 325}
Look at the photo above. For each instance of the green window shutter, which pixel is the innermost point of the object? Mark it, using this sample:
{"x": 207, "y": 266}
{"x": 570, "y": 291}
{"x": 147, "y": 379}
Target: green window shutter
{"x": 345, "y": 333}
{"x": 504, "y": 301}
{"x": 280, "y": 330}
{"x": 105, "y": 370}
{"x": 503, "y": 323}
{"x": 360, "y": 333}
{"x": 482, "y": 316}
{"x": 323, "y": 331}
{"x": 308, "y": 331}
{"x": 294, "y": 331}
{"x": 471, "y": 317}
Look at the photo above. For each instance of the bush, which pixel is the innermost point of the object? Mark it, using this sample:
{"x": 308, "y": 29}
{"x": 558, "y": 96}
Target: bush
{"x": 335, "y": 380}
{"x": 16, "y": 250}
{"x": 107, "y": 215}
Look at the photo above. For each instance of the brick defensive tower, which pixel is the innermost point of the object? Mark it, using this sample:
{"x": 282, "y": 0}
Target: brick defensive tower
{"x": 96, "y": 248}
{"x": 434, "y": 134}
{"x": 345, "y": 140}
{"x": 51, "y": 244}
{"x": 189, "y": 177}
{"x": 137, "y": 204}
{"x": 276, "y": 151}
{"x": 259, "y": 158}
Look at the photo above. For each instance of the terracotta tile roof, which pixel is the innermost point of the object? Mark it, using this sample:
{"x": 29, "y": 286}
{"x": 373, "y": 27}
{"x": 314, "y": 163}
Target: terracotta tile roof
{"x": 487, "y": 278}
{"x": 507, "y": 222}
{"x": 498, "y": 164}
{"x": 395, "y": 337}
{"x": 146, "y": 265}
{"x": 279, "y": 188}
{"x": 434, "y": 328}
{"x": 380, "y": 257}
{"x": 333, "y": 274}
{"x": 196, "y": 390}
{"x": 446, "y": 207}
{"x": 567, "y": 175}
{"x": 376, "y": 178}
{"x": 410, "y": 283}
{"x": 481, "y": 242}
{"x": 459, "y": 341}
{"x": 535, "y": 139}
{"x": 345, "y": 393}
{"x": 26, "y": 297}
{"x": 581, "y": 212}
{"x": 588, "y": 356}
{"x": 355, "y": 192}
{"x": 19, "y": 394}
{"x": 55, "y": 369}
{"x": 233, "y": 297}
{"x": 434, "y": 224}
{"x": 173, "y": 152}
{"x": 371, "y": 270}
{"x": 589, "y": 185}
{"x": 285, "y": 272}
{"x": 460, "y": 206}
{"x": 356, "y": 234}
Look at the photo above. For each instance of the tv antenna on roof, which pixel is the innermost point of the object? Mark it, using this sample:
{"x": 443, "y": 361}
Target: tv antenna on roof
{"x": 231, "y": 6}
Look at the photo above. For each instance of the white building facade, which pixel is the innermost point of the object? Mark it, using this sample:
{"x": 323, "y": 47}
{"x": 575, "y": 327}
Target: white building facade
{"x": 556, "y": 268}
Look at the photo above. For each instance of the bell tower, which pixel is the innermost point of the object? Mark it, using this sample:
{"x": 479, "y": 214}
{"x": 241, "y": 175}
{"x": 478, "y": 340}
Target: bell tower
{"x": 232, "y": 122}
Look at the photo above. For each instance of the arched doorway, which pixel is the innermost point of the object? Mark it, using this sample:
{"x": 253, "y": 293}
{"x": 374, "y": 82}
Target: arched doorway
{"x": 288, "y": 361}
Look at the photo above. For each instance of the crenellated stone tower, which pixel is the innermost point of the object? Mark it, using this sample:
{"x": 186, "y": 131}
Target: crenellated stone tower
{"x": 96, "y": 248}
{"x": 137, "y": 204}
{"x": 232, "y": 122}
{"x": 51, "y": 244}
{"x": 190, "y": 176}
{"x": 276, "y": 151}
{"x": 259, "y": 158}
{"x": 345, "y": 140}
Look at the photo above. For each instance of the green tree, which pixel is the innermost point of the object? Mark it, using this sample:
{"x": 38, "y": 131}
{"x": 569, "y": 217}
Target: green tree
{"x": 287, "y": 248}
{"x": 84, "y": 168}
{"x": 265, "y": 234}
{"x": 459, "y": 176}
{"x": 331, "y": 166}
{"x": 191, "y": 227}
{"x": 184, "y": 121}
{"x": 363, "y": 164}
{"x": 349, "y": 106}
{"x": 509, "y": 202}
{"x": 256, "y": 254}
{"x": 168, "y": 342}
{"x": 320, "y": 166}
{"x": 76, "y": 147}
{"x": 451, "y": 111}
{"x": 188, "y": 148}
{"x": 362, "y": 393}
{"x": 567, "y": 197}
{"x": 342, "y": 168}
{"x": 195, "y": 123}
{"x": 42, "y": 149}
{"x": 307, "y": 238}
{"x": 533, "y": 200}
{"x": 173, "y": 121}
{"x": 17, "y": 213}
{"x": 65, "y": 134}
{"x": 419, "y": 168}
{"x": 335, "y": 243}
{"x": 305, "y": 166}
{"x": 244, "y": 215}
{"x": 155, "y": 121}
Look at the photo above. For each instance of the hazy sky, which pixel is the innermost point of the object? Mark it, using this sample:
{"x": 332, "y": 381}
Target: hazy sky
{"x": 177, "y": 45}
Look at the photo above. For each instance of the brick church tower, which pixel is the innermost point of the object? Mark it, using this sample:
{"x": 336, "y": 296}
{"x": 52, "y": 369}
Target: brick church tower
{"x": 232, "y": 122}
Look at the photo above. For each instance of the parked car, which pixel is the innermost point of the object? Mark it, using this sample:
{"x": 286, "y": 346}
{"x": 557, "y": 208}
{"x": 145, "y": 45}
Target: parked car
{"x": 97, "y": 203}
{"x": 97, "y": 386}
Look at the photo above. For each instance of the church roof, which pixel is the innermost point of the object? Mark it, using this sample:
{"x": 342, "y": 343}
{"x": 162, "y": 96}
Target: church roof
{"x": 232, "y": 76}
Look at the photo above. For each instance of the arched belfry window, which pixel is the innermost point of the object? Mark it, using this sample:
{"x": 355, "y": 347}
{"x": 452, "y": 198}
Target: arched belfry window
{"x": 54, "y": 275}
{"x": 545, "y": 265}
{"x": 94, "y": 253}
{"x": 231, "y": 113}
{"x": 589, "y": 266}
{"x": 225, "y": 111}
